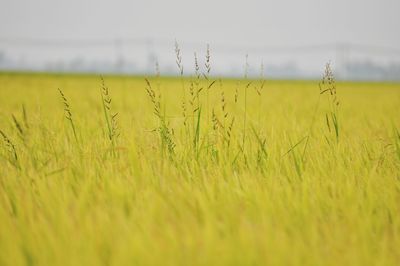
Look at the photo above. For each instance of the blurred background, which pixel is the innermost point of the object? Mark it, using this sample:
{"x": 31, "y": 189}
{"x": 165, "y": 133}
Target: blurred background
{"x": 292, "y": 39}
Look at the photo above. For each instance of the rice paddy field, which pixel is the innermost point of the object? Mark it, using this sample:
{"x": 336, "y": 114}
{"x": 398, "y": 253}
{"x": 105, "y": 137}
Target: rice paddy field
{"x": 120, "y": 170}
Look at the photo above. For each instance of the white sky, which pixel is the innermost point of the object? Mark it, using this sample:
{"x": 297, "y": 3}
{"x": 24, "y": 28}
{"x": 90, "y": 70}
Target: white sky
{"x": 245, "y": 23}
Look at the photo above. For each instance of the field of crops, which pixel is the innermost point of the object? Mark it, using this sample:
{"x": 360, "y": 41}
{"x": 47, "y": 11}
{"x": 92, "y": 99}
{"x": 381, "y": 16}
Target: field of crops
{"x": 197, "y": 171}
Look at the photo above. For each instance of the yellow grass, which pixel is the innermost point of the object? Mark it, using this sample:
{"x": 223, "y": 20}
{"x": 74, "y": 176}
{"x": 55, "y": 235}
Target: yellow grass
{"x": 130, "y": 201}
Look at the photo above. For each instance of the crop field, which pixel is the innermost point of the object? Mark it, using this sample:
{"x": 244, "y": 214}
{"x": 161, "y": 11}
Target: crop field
{"x": 120, "y": 170}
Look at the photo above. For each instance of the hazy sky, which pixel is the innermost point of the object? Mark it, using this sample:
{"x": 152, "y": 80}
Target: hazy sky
{"x": 251, "y": 22}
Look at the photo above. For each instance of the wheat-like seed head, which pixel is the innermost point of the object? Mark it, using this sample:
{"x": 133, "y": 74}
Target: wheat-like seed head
{"x": 207, "y": 63}
{"x": 67, "y": 108}
{"x": 328, "y": 84}
{"x": 178, "y": 58}
{"x": 155, "y": 101}
{"x": 10, "y": 145}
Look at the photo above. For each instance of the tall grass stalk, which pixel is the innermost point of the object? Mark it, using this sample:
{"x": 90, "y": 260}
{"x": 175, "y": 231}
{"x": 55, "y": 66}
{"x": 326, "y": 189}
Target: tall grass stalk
{"x": 110, "y": 117}
{"x": 68, "y": 114}
{"x": 246, "y": 69}
{"x": 328, "y": 86}
{"x": 13, "y": 158}
{"x": 166, "y": 141}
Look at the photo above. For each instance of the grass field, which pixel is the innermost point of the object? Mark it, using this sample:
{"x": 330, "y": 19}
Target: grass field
{"x": 295, "y": 179}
